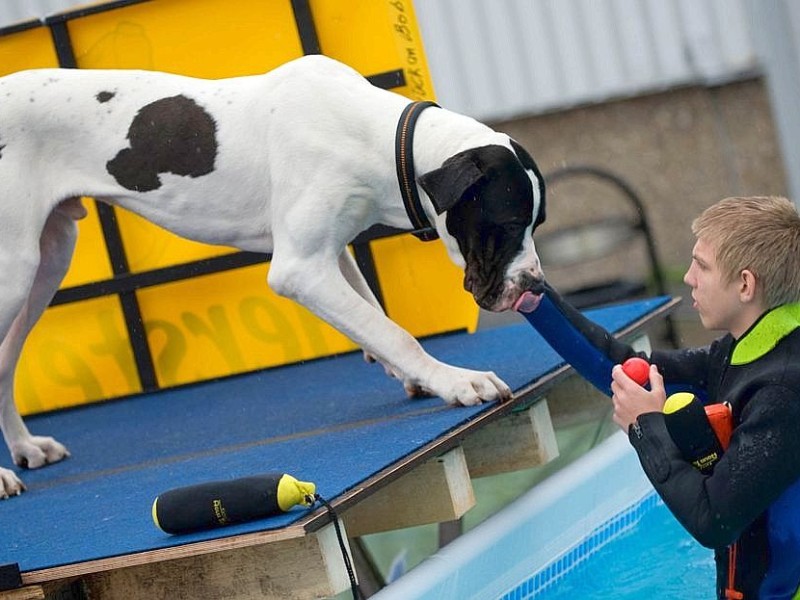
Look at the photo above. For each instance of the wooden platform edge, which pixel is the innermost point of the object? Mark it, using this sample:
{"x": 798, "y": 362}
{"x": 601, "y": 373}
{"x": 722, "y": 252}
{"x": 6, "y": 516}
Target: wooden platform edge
{"x": 307, "y": 567}
{"x": 162, "y": 554}
{"x": 34, "y": 592}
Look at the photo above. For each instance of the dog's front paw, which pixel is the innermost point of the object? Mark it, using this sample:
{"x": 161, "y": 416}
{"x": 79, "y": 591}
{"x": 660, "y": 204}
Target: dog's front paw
{"x": 469, "y": 388}
{"x": 37, "y": 451}
{"x": 10, "y": 484}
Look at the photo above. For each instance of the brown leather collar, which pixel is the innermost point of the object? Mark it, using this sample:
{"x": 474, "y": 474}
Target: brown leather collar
{"x": 404, "y": 161}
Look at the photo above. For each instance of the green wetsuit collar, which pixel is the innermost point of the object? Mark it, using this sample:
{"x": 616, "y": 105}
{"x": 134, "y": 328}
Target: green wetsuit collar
{"x": 765, "y": 334}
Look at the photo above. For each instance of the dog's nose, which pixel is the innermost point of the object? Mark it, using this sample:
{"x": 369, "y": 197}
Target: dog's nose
{"x": 532, "y": 283}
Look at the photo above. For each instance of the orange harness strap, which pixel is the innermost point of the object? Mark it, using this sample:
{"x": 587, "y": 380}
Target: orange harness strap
{"x": 731, "y": 591}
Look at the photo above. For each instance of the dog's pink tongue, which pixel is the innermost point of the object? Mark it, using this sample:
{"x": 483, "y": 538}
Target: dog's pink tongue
{"x": 527, "y": 302}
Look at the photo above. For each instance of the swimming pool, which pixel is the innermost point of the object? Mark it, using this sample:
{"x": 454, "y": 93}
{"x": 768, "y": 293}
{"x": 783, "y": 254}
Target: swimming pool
{"x": 656, "y": 558}
{"x": 596, "y": 529}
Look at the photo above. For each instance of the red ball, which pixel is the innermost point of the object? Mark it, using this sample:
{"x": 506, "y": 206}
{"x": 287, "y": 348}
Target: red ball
{"x": 637, "y": 369}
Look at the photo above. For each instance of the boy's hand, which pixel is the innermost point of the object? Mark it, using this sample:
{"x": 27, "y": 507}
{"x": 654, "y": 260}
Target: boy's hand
{"x": 631, "y": 400}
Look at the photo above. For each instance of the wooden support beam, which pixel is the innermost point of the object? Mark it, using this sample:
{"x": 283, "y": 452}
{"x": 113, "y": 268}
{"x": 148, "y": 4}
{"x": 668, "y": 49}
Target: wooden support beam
{"x": 516, "y": 441}
{"x": 31, "y": 592}
{"x": 439, "y": 490}
{"x": 300, "y": 568}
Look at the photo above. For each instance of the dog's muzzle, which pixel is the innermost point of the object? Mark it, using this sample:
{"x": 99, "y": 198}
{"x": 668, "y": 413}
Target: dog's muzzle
{"x": 512, "y": 293}
{"x": 532, "y": 294}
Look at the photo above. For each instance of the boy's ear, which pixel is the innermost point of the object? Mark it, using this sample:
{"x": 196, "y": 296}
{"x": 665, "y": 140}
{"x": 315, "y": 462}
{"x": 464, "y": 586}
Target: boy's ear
{"x": 747, "y": 285}
{"x": 447, "y": 185}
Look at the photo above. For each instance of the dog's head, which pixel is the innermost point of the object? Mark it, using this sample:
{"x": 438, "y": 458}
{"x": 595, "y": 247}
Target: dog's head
{"x": 488, "y": 201}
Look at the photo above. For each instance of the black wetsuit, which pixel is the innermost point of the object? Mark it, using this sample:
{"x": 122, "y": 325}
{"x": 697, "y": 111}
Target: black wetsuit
{"x": 753, "y": 494}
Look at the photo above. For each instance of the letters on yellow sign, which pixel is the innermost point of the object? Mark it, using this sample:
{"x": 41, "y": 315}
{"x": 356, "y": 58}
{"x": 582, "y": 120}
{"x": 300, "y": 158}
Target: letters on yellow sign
{"x": 88, "y": 356}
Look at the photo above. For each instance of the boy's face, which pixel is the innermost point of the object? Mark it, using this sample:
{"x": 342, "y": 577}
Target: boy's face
{"x": 717, "y": 301}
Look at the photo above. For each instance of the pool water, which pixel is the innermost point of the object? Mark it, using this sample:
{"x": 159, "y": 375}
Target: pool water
{"x": 656, "y": 558}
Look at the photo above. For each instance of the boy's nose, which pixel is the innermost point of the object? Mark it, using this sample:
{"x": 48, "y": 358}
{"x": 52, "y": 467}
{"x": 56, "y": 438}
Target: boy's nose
{"x": 687, "y": 278}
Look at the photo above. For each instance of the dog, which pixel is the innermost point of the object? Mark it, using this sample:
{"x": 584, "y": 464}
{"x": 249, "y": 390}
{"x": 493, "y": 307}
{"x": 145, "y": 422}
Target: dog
{"x": 295, "y": 162}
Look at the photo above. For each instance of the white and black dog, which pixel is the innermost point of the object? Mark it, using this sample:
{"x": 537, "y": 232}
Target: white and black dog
{"x": 296, "y": 162}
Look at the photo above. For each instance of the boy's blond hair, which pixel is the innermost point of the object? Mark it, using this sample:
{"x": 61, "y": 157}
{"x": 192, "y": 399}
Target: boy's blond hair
{"x": 758, "y": 233}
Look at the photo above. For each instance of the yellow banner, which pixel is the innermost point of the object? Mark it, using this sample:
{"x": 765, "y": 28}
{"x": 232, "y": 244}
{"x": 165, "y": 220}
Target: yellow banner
{"x": 27, "y": 49}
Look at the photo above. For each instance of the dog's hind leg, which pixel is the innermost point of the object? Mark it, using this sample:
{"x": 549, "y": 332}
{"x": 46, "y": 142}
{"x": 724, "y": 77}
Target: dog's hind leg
{"x": 56, "y": 246}
{"x": 18, "y": 274}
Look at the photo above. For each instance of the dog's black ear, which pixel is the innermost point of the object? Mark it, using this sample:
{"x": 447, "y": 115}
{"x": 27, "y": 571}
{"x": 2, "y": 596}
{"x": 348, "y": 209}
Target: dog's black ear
{"x": 447, "y": 184}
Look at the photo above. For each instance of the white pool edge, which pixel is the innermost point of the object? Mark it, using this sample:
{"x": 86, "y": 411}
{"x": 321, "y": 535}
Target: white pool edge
{"x": 541, "y": 536}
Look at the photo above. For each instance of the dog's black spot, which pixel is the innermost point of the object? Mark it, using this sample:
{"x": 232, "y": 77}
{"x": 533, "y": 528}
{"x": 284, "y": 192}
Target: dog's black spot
{"x": 172, "y": 135}
{"x": 2, "y": 147}
{"x": 104, "y": 97}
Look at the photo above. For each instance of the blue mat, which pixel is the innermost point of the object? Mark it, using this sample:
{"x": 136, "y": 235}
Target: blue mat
{"x": 336, "y": 422}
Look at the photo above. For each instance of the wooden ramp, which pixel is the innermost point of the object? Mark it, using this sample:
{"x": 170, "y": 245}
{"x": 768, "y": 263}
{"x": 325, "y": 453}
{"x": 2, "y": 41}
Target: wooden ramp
{"x": 84, "y": 528}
